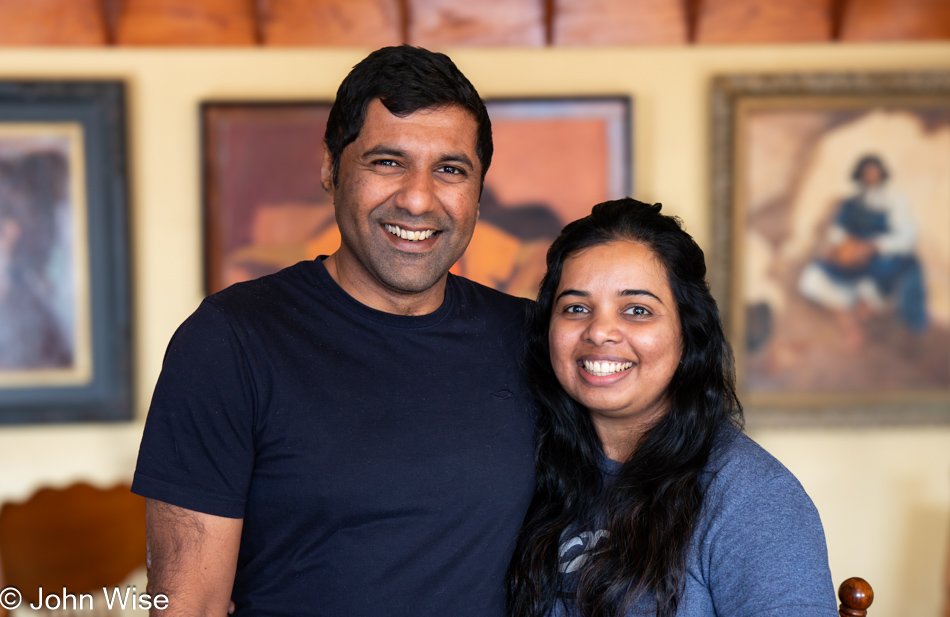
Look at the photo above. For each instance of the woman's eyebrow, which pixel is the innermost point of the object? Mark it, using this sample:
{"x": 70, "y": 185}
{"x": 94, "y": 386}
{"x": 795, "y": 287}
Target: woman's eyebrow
{"x": 572, "y": 292}
{"x": 639, "y": 292}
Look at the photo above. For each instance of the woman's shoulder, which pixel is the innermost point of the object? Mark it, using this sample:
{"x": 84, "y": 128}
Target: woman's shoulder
{"x": 759, "y": 547}
{"x": 734, "y": 452}
{"x": 739, "y": 469}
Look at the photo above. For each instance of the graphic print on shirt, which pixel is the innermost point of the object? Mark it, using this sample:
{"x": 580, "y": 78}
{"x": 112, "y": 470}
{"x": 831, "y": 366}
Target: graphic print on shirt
{"x": 574, "y": 553}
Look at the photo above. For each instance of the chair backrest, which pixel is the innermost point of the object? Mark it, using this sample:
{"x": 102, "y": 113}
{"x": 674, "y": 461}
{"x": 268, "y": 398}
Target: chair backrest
{"x": 856, "y": 596}
{"x": 81, "y": 538}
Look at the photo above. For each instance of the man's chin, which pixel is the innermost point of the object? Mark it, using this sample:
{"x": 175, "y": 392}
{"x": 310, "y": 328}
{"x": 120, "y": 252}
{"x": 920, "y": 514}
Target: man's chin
{"x": 411, "y": 284}
{"x": 408, "y": 273}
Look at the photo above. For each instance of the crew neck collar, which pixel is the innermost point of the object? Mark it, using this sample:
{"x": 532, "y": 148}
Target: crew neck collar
{"x": 352, "y": 306}
{"x": 608, "y": 466}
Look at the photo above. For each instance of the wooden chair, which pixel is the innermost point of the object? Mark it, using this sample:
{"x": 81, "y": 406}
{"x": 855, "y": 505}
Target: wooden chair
{"x": 856, "y": 596}
{"x": 81, "y": 538}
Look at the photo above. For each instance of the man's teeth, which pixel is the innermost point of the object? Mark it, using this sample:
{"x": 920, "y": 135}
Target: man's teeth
{"x": 602, "y": 369}
{"x": 412, "y": 236}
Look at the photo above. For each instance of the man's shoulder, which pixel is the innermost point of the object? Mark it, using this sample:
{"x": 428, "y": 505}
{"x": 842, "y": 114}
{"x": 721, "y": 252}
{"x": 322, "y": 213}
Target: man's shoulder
{"x": 268, "y": 290}
{"x": 478, "y": 296}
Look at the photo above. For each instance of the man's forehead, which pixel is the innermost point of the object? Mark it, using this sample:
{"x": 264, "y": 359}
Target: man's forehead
{"x": 379, "y": 119}
{"x": 380, "y": 107}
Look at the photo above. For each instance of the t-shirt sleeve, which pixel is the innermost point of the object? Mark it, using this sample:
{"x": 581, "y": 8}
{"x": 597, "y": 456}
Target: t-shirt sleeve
{"x": 766, "y": 554}
{"x": 197, "y": 450}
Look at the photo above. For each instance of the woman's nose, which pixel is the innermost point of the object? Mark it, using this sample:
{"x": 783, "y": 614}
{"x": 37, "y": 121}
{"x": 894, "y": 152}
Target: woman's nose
{"x": 604, "y": 329}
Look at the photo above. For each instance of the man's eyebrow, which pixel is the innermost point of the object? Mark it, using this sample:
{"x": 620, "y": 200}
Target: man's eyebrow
{"x": 639, "y": 292}
{"x": 385, "y": 151}
{"x": 458, "y": 157}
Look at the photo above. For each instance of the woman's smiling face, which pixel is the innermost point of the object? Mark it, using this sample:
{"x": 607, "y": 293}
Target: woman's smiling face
{"x": 615, "y": 337}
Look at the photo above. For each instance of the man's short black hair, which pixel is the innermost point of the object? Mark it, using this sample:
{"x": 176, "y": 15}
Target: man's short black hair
{"x": 405, "y": 79}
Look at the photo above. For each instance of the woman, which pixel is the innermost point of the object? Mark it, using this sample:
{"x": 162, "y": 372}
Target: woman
{"x": 650, "y": 499}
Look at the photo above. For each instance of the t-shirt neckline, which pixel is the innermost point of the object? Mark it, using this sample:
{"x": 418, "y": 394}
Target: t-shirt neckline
{"x": 352, "y": 306}
{"x": 608, "y": 466}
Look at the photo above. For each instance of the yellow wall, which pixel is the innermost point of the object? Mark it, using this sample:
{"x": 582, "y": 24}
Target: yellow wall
{"x": 883, "y": 493}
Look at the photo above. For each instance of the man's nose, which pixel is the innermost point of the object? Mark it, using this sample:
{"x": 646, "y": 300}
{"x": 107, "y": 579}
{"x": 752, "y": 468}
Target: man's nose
{"x": 417, "y": 193}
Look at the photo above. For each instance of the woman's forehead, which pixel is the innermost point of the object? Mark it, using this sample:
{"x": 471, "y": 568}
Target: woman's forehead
{"x": 614, "y": 261}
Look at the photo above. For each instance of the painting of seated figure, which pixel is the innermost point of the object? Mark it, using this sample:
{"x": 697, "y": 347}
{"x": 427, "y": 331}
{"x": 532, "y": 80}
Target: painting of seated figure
{"x": 840, "y": 270}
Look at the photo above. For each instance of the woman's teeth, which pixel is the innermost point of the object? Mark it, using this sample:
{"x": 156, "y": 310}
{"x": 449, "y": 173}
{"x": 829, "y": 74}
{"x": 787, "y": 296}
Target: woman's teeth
{"x": 412, "y": 236}
{"x": 602, "y": 369}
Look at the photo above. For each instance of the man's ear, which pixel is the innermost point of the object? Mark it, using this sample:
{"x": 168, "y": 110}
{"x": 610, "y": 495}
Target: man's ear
{"x": 326, "y": 172}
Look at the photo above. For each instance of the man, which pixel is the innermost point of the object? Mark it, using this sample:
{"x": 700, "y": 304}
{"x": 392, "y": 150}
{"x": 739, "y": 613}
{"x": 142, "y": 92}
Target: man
{"x": 351, "y": 436}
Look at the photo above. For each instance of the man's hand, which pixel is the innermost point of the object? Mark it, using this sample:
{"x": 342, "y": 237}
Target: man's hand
{"x": 192, "y": 558}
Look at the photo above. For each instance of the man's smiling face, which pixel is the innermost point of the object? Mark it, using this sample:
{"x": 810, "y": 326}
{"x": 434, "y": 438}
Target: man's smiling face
{"x": 406, "y": 202}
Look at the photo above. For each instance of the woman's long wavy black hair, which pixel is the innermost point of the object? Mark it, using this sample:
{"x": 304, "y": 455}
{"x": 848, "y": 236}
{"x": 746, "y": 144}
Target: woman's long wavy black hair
{"x": 652, "y": 508}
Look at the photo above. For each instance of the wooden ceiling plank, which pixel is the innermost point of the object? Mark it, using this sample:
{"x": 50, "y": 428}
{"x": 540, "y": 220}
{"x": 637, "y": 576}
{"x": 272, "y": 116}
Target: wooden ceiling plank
{"x": 441, "y": 23}
{"x": 619, "y": 22}
{"x": 187, "y": 23}
{"x": 301, "y": 23}
{"x": 895, "y": 20}
{"x": 52, "y": 23}
{"x": 764, "y": 21}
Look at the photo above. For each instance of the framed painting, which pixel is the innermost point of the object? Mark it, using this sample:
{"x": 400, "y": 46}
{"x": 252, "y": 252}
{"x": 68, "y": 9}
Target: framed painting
{"x": 831, "y": 197}
{"x": 65, "y": 333}
{"x": 554, "y": 159}
{"x": 265, "y": 209}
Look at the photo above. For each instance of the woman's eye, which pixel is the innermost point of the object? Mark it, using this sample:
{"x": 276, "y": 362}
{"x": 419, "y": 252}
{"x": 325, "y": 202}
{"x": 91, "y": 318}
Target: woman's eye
{"x": 575, "y": 308}
{"x": 639, "y": 311}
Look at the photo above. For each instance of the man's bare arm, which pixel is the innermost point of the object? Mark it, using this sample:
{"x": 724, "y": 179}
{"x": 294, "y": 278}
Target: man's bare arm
{"x": 192, "y": 558}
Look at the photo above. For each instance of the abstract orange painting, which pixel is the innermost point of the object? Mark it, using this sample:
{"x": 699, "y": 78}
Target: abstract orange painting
{"x": 265, "y": 209}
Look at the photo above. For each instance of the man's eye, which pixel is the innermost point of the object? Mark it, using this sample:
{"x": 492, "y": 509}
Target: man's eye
{"x": 451, "y": 170}
{"x": 385, "y": 163}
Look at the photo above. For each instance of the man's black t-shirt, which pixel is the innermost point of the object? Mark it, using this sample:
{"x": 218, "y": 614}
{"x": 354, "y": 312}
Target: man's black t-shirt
{"x": 382, "y": 464}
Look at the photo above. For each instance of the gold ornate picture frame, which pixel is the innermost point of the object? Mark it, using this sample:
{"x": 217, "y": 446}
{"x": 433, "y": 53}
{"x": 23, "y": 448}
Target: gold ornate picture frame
{"x": 831, "y": 257}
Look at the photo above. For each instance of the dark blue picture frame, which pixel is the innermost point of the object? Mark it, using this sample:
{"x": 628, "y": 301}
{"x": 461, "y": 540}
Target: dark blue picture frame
{"x": 98, "y": 107}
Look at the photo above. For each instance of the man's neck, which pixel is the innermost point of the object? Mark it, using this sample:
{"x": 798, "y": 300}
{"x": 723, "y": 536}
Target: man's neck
{"x": 374, "y": 295}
